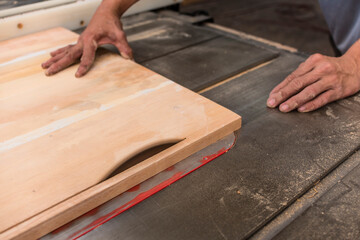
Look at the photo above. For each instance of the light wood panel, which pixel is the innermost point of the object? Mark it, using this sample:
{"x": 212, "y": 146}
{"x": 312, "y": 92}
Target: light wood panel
{"x": 60, "y": 136}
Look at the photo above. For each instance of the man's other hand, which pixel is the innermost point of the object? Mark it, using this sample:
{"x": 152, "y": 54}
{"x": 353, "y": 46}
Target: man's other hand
{"x": 318, "y": 81}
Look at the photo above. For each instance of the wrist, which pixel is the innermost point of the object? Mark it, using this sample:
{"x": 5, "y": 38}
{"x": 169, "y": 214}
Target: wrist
{"x": 353, "y": 53}
{"x": 353, "y": 61}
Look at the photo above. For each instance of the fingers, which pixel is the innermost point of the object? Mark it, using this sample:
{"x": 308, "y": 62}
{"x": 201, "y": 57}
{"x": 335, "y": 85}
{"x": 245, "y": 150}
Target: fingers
{"x": 60, "y": 50}
{"x": 316, "y": 82}
{"x": 292, "y": 88}
{"x": 87, "y": 58}
{"x": 122, "y": 45}
{"x": 303, "y": 69}
{"x": 86, "y": 47}
{"x": 52, "y": 60}
{"x": 69, "y": 58}
{"x": 318, "y": 102}
{"x": 306, "y": 95}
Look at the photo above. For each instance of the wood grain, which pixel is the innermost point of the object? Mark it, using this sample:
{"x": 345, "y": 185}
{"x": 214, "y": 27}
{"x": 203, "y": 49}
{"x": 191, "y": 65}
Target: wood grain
{"x": 60, "y": 136}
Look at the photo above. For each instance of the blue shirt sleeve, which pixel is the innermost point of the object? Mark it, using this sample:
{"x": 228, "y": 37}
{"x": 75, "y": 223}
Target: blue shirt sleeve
{"x": 343, "y": 19}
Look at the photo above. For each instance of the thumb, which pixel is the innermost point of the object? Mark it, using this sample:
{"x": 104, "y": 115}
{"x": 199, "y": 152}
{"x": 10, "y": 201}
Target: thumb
{"x": 123, "y": 46}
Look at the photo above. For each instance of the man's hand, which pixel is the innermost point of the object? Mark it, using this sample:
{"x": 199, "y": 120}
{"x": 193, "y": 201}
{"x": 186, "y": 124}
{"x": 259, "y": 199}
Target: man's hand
{"x": 104, "y": 28}
{"x": 318, "y": 81}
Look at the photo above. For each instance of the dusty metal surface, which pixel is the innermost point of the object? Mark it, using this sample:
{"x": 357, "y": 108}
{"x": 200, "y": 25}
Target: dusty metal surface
{"x": 202, "y": 65}
{"x": 335, "y": 213}
{"x": 296, "y": 23}
{"x": 162, "y": 36}
{"x": 329, "y": 210}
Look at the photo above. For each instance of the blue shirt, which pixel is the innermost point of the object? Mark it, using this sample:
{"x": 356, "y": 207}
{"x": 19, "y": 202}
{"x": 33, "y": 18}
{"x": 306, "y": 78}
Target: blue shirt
{"x": 343, "y": 19}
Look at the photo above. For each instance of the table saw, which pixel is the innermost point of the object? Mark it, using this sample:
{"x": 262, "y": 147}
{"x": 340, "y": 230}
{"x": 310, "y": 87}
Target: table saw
{"x": 288, "y": 176}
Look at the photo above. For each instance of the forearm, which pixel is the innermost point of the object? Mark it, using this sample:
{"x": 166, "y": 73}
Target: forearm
{"x": 352, "y": 59}
{"x": 118, "y": 7}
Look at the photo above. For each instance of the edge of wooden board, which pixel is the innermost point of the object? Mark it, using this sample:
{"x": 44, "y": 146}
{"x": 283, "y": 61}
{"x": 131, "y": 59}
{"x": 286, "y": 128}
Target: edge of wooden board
{"x": 81, "y": 203}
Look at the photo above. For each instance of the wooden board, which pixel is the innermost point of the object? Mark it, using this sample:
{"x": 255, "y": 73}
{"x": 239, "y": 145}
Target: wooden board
{"x": 60, "y": 136}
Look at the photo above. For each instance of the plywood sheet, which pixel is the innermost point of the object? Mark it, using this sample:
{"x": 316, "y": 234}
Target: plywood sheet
{"x": 60, "y": 136}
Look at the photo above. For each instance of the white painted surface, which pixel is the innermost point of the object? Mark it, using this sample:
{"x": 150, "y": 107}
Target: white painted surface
{"x": 32, "y": 7}
{"x": 69, "y": 15}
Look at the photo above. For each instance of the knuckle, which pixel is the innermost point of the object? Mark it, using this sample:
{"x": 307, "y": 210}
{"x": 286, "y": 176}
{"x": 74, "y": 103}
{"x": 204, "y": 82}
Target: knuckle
{"x": 291, "y": 76}
{"x": 294, "y": 103}
{"x": 69, "y": 57}
{"x": 94, "y": 44}
{"x": 85, "y": 64}
{"x": 322, "y": 101}
{"x": 311, "y": 94}
{"x": 128, "y": 51}
{"x": 316, "y": 57}
{"x": 77, "y": 52}
{"x": 334, "y": 83}
{"x": 121, "y": 34}
{"x": 83, "y": 36}
{"x": 74, "y": 53}
{"x": 54, "y": 68}
{"x": 297, "y": 84}
{"x": 326, "y": 67}
{"x": 311, "y": 106}
{"x": 302, "y": 65}
{"x": 112, "y": 36}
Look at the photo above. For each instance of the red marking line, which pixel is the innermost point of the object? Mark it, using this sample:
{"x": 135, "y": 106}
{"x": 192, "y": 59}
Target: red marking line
{"x": 145, "y": 195}
{"x": 134, "y": 189}
{"x": 136, "y": 200}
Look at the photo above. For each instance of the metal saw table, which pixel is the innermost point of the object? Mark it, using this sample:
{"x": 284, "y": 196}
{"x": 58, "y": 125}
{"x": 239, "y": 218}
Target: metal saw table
{"x": 289, "y": 176}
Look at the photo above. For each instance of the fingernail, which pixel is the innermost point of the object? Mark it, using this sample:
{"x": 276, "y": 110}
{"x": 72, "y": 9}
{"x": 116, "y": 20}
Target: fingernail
{"x": 47, "y": 72}
{"x": 271, "y": 102}
{"x": 77, "y": 74}
{"x": 124, "y": 55}
{"x": 284, "y": 108}
{"x": 302, "y": 109}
